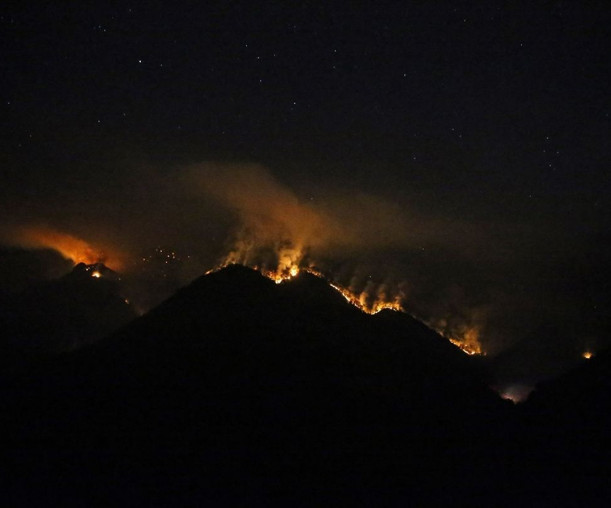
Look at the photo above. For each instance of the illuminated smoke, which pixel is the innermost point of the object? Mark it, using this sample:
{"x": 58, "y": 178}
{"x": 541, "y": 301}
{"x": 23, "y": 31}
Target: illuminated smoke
{"x": 367, "y": 246}
{"x": 280, "y": 235}
{"x": 69, "y": 246}
{"x": 464, "y": 336}
{"x": 276, "y": 230}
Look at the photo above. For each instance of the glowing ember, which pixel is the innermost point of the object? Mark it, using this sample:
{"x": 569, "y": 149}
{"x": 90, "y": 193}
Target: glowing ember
{"x": 96, "y": 274}
{"x": 587, "y": 355}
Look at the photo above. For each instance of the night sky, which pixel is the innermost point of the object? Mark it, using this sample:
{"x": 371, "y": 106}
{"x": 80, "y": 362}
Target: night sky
{"x": 455, "y": 154}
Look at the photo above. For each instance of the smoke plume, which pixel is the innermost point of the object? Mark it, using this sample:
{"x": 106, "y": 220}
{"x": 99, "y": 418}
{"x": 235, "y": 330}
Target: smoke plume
{"x": 480, "y": 281}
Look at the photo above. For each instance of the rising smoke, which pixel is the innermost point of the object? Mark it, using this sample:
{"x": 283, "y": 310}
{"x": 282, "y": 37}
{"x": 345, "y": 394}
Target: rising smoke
{"x": 471, "y": 280}
{"x": 69, "y": 246}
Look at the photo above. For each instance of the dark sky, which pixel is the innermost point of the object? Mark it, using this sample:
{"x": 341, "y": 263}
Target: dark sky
{"x": 464, "y": 144}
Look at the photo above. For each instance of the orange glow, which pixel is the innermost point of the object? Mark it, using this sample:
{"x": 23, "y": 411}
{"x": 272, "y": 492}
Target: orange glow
{"x": 373, "y": 299}
{"x": 279, "y": 276}
{"x": 288, "y": 267}
{"x": 362, "y": 301}
{"x": 96, "y": 275}
{"x": 587, "y": 355}
{"x": 468, "y": 342}
{"x": 370, "y": 302}
{"x": 69, "y": 246}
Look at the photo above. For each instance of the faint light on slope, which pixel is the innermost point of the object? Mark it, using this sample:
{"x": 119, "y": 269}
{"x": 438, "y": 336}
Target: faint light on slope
{"x": 515, "y": 393}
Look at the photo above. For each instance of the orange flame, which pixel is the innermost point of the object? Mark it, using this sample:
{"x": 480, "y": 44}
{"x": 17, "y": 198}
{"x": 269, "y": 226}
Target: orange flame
{"x": 469, "y": 342}
{"x": 69, "y": 246}
{"x": 465, "y": 337}
{"x": 363, "y": 301}
{"x": 288, "y": 268}
{"x": 289, "y": 260}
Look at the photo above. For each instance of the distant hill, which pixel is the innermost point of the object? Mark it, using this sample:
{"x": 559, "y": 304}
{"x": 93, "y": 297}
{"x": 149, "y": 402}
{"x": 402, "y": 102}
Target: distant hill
{"x": 23, "y": 268}
{"x": 568, "y": 420}
{"x": 48, "y": 317}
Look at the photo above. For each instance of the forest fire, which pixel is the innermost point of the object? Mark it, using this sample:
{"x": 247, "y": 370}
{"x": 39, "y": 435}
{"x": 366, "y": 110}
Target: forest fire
{"x": 370, "y": 302}
{"x": 363, "y": 301}
{"x": 468, "y": 341}
{"x": 69, "y": 246}
{"x": 467, "y": 347}
{"x": 366, "y": 302}
{"x": 274, "y": 249}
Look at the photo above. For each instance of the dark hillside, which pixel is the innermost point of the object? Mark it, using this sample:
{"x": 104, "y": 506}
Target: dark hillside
{"x": 240, "y": 389}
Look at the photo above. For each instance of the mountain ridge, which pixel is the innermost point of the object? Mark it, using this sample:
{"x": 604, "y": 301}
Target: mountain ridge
{"x": 237, "y": 389}
{"x": 275, "y": 388}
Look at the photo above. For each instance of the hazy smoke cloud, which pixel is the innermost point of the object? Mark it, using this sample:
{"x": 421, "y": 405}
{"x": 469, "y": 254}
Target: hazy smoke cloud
{"x": 480, "y": 280}
{"x": 171, "y": 226}
{"x": 69, "y": 246}
{"x": 271, "y": 217}
{"x": 362, "y": 242}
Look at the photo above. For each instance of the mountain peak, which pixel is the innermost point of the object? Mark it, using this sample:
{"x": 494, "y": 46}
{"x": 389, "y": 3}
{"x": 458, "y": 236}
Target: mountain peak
{"x": 94, "y": 270}
{"x": 289, "y": 374}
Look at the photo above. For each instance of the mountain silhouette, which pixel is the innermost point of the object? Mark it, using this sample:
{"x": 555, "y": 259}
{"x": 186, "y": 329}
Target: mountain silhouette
{"x": 237, "y": 390}
{"x": 62, "y": 314}
{"x": 567, "y": 421}
{"x": 23, "y": 268}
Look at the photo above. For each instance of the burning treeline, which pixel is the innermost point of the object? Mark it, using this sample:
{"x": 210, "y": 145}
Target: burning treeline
{"x": 280, "y": 235}
{"x": 372, "y": 298}
{"x": 352, "y": 240}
